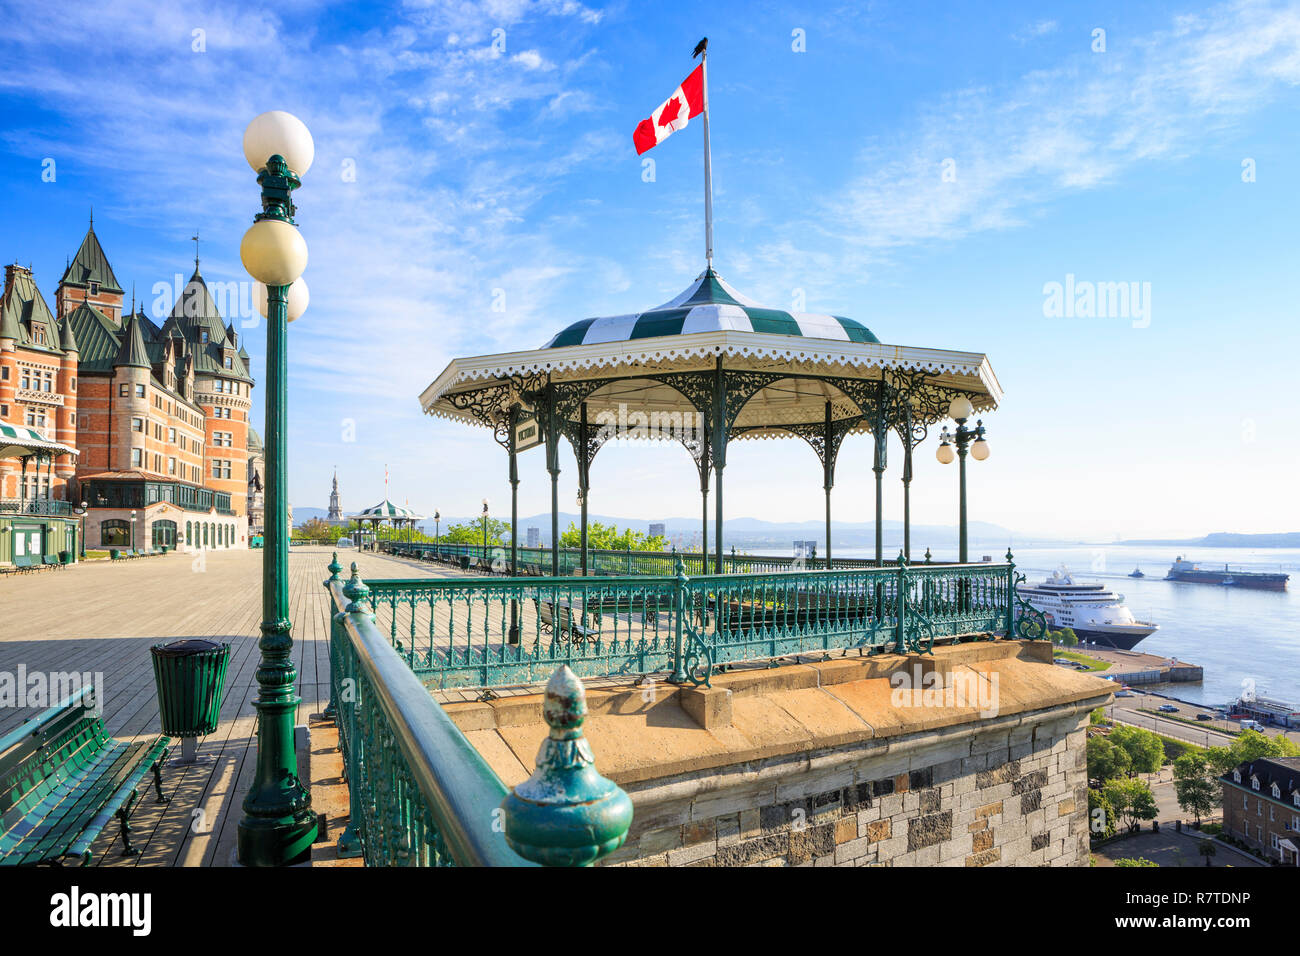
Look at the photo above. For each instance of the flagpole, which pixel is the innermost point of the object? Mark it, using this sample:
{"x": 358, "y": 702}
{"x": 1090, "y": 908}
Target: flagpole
{"x": 708, "y": 161}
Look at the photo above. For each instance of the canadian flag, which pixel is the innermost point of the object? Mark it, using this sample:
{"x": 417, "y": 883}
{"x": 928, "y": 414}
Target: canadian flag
{"x": 686, "y": 102}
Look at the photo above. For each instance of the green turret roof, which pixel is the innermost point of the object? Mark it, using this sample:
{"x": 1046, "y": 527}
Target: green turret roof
{"x": 132, "y": 352}
{"x": 90, "y": 265}
{"x": 69, "y": 341}
{"x": 194, "y": 313}
{"x": 23, "y": 313}
{"x": 98, "y": 338}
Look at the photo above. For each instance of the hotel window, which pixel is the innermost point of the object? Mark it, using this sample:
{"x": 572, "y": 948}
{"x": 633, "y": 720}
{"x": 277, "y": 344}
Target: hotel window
{"x": 203, "y": 337}
{"x": 139, "y": 391}
{"x": 123, "y": 390}
{"x": 230, "y": 362}
{"x": 137, "y": 424}
{"x": 4, "y": 411}
{"x": 38, "y": 334}
{"x": 73, "y": 420}
{"x": 137, "y": 457}
{"x": 74, "y": 384}
{"x": 27, "y": 379}
{"x": 48, "y": 384}
{"x": 171, "y": 435}
{"x": 94, "y": 288}
{"x": 4, "y": 374}
{"x": 171, "y": 466}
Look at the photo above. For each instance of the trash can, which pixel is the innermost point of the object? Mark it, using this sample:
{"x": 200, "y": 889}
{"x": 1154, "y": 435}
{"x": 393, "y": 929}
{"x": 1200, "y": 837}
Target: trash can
{"x": 190, "y": 675}
{"x": 114, "y": 553}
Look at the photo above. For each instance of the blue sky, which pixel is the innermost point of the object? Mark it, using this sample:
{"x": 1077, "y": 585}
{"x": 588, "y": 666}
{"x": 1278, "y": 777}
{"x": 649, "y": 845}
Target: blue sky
{"x": 446, "y": 170}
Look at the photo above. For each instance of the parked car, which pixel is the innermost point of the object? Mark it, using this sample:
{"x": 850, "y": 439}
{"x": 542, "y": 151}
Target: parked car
{"x": 1167, "y": 709}
{"x": 1204, "y": 716}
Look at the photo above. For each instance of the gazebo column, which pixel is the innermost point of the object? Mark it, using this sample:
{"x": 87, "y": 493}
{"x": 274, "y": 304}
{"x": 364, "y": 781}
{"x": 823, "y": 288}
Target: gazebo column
{"x": 513, "y": 636}
{"x": 828, "y": 471}
{"x": 553, "y": 466}
{"x": 907, "y": 499}
{"x": 584, "y": 485}
{"x": 880, "y": 434}
{"x": 719, "y": 455}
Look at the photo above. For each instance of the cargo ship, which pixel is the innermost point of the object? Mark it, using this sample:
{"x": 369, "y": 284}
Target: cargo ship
{"x": 1183, "y": 570}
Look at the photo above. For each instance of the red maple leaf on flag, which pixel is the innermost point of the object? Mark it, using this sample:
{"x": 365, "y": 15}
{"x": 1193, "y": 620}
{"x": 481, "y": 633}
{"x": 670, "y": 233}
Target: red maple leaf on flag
{"x": 670, "y": 111}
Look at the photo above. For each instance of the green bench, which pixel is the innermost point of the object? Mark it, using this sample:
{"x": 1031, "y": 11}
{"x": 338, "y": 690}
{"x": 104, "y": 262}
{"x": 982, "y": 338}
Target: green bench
{"x": 63, "y": 780}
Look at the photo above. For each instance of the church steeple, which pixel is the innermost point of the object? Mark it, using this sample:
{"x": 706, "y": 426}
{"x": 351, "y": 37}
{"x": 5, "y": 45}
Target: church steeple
{"x": 336, "y": 511}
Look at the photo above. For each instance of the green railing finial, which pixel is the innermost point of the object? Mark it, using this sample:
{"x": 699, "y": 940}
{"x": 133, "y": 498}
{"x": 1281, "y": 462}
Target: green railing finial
{"x": 1010, "y": 560}
{"x": 356, "y": 592}
{"x": 334, "y": 567}
{"x": 927, "y": 555}
{"x": 566, "y": 813}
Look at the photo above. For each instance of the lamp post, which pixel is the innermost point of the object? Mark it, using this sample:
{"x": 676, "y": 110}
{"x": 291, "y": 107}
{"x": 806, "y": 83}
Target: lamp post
{"x": 81, "y": 513}
{"x": 485, "y": 517}
{"x": 966, "y": 439}
{"x": 278, "y": 825}
{"x": 437, "y": 517}
{"x": 133, "y": 532}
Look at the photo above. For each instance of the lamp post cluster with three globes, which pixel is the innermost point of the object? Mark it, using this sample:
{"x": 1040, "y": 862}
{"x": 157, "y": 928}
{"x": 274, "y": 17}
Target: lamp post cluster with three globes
{"x": 966, "y": 439}
{"x": 278, "y": 826}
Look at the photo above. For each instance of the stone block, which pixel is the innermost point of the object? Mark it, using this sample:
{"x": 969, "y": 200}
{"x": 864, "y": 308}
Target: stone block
{"x": 753, "y": 851}
{"x": 812, "y": 841}
{"x": 930, "y": 800}
{"x": 982, "y": 841}
{"x": 698, "y": 831}
{"x": 660, "y": 841}
{"x": 878, "y": 831}
{"x": 928, "y": 830}
{"x": 691, "y": 854}
{"x": 728, "y": 829}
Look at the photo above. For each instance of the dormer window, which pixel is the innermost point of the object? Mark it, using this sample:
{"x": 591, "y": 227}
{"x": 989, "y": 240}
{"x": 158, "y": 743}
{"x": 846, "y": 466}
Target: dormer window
{"x": 1236, "y": 775}
{"x": 230, "y": 362}
{"x": 94, "y": 288}
{"x": 1254, "y": 783}
{"x": 203, "y": 337}
{"x": 1295, "y": 798}
{"x": 1277, "y": 791}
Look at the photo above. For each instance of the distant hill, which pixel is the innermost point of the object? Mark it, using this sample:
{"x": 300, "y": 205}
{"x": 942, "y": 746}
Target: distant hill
{"x": 1228, "y": 539}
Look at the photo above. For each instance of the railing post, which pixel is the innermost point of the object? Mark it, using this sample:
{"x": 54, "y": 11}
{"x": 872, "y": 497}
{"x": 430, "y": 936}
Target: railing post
{"x": 1011, "y": 596}
{"x": 566, "y": 813}
{"x": 349, "y": 841}
{"x": 334, "y": 568}
{"x": 678, "y": 676}
{"x": 900, "y": 606}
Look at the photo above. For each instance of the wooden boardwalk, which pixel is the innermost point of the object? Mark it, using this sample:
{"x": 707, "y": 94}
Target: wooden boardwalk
{"x": 102, "y": 617}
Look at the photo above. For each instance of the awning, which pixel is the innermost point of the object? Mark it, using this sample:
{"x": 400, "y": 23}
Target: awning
{"x": 19, "y": 441}
{"x": 386, "y": 511}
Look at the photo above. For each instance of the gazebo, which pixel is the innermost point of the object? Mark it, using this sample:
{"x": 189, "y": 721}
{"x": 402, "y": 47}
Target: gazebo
{"x": 704, "y": 369}
{"x": 387, "y": 512}
{"x": 35, "y": 527}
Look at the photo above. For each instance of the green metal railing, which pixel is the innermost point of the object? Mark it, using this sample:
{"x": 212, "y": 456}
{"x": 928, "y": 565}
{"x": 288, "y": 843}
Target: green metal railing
{"x": 495, "y": 631}
{"x": 35, "y": 506}
{"x": 420, "y": 794}
{"x": 537, "y": 561}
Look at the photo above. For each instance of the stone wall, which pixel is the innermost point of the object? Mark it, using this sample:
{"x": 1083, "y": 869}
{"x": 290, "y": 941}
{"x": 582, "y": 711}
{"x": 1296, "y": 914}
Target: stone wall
{"x": 1004, "y": 792}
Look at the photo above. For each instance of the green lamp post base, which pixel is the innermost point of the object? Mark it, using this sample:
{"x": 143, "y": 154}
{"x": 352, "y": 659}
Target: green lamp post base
{"x": 276, "y": 841}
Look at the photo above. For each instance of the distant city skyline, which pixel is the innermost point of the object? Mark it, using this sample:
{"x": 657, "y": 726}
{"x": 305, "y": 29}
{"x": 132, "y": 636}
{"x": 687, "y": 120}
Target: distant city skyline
{"x": 1110, "y": 218}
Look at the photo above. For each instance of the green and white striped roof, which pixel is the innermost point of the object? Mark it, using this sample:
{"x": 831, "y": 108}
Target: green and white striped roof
{"x": 19, "y": 441}
{"x": 710, "y": 305}
{"x": 387, "y": 511}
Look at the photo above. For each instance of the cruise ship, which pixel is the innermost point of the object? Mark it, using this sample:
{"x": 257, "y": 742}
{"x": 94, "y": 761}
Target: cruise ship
{"x": 1094, "y": 613}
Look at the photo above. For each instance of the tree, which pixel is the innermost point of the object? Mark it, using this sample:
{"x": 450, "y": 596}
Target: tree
{"x": 1146, "y": 750}
{"x": 1132, "y": 800}
{"x": 1101, "y": 816}
{"x": 1065, "y": 637}
{"x": 1106, "y": 761}
{"x": 1098, "y": 717}
{"x": 602, "y": 537}
{"x": 1250, "y": 745}
{"x": 1194, "y": 783}
{"x": 1134, "y": 861}
{"x": 315, "y": 530}
{"x": 1206, "y": 849}
{"x": 498, "y": 532}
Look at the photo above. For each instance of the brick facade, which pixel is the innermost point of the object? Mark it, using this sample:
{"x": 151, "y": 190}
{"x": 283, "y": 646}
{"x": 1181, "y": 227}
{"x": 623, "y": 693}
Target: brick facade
{"x": 1261, "y": 807}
